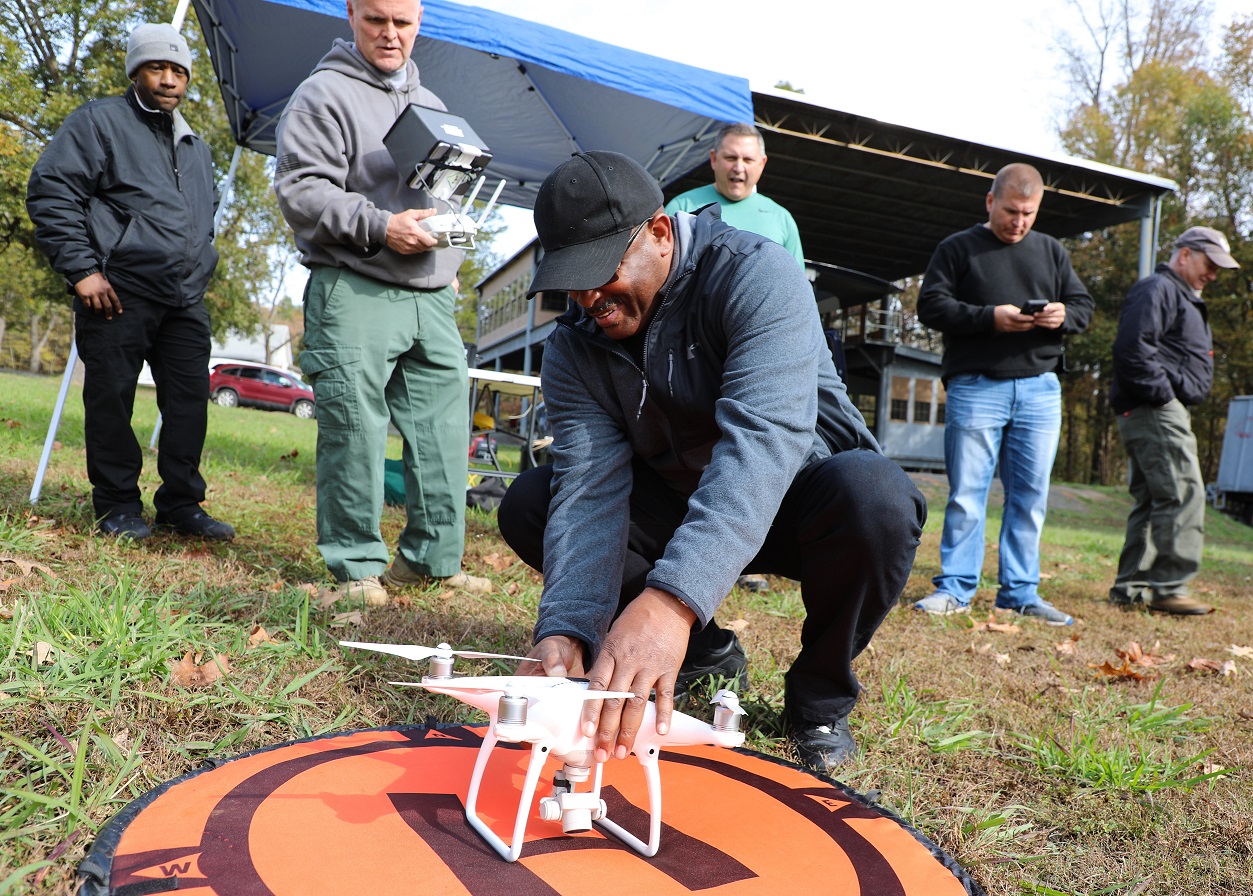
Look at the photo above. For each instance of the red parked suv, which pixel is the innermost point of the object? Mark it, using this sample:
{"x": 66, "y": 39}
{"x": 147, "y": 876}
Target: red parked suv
{"x": 257, "y": 386}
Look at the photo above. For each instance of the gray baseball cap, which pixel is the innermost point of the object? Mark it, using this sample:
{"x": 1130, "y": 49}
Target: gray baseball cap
{"x": 1209, "y": 241}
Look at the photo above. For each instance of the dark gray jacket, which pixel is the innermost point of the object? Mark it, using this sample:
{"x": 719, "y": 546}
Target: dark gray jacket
{"x": 737, "y": 394}
{"x": 1163, "y": 349}
{"x": 131, "y": 193}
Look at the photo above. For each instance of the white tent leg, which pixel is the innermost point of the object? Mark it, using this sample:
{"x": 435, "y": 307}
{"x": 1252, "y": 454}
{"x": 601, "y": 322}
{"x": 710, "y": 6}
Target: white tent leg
{"x": 156, "y": 431}
{"x": 180, "y": 14}
{"x": 54, "y": 424}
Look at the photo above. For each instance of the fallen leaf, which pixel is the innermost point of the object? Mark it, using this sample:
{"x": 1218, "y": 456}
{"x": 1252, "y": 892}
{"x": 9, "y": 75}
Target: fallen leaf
{"x": 258, "y": 637}
{"x": 326, "y": 598}
{"x": 1133, "y": 653}
{"x": 512, "y": 589}
{"x": 1109, "y": 670}
{"x": 989, "y": 650}
{"x": 736, "y": 625}
{"x": 1044, "y": 576}
{"x": 1203, "y": 665}
{"x": 25, "y": 566}
{"x": 4, "y": 696}
{"x": 353, "y": 617}
{"x": 308, "y": 588}
{"x": 1210, "y": 767}
{"x": 1007, "y": 628}
{"x": 189, "y": 672}
{"x": 122, "y": 739}
{"x": 1236, "y": 650}
{"x": 42, "y": 653}
{"x": 498, "y": 562}
{"x": 1246, "y": 715}
{"x": 1068, "y": 646}
{"x": 275, "y": 588}
{"x": 295, "y": 453}
{"x": 1228, "y": 668}
{"x": 4, "y": 586}
{"x": 6, "y": 612}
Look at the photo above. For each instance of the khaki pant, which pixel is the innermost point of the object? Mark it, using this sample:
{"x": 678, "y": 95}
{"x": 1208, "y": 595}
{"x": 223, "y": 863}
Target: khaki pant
{"x": 375, "y": 354}
{"x": 1165, "y": 531}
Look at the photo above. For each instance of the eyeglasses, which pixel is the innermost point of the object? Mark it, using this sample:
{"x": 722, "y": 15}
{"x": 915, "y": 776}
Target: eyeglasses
{"x": 634, "y": 233}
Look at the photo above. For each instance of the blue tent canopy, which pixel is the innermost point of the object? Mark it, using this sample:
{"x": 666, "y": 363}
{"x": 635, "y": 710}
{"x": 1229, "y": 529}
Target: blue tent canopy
{"x": 533, "y": 93}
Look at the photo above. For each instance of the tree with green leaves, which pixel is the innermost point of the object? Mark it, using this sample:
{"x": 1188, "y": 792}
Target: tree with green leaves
{"x": 1145, "y": 96}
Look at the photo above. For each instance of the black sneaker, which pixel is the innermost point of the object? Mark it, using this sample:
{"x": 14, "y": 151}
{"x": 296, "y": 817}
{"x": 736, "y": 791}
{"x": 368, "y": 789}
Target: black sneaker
{"x": 822, "y": 747}
{"x": 124, "y": 525}
{"x": 726, "y": 665}
{"x": 198, "y": 525}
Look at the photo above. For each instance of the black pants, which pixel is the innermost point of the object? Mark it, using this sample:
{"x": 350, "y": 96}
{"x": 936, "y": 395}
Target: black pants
{"x": 847, "y": 530}
{"x": 175, "y": 342}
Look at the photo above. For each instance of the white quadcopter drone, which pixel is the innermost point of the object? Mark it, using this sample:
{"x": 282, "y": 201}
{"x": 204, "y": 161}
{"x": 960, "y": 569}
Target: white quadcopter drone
{"x": 545, "y": 713}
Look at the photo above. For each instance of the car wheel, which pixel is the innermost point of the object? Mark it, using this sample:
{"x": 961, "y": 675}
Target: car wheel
{"x": 303, "y": 409}
{"x": 227, "y": 398}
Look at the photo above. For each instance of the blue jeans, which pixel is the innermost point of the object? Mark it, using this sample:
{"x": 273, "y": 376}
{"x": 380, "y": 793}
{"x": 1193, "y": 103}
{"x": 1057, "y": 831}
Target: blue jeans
{"x": 1017, "y": 421}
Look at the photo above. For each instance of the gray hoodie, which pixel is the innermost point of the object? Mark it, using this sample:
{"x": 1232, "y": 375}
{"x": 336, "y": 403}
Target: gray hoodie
{"x": 336, "y": 183}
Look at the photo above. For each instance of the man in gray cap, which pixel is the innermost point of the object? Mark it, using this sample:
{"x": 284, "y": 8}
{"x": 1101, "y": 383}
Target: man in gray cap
{"x": 123, "y": 200}
{"x": 699, "y": 431}
{"x": 1163, "y": 362}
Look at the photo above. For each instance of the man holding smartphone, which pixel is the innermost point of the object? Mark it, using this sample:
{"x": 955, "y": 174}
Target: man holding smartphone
{"x": 1004, "y": 297}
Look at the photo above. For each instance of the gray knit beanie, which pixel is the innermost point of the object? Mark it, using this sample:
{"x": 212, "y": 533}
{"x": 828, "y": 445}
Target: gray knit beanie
{"x": 156, "y": 43}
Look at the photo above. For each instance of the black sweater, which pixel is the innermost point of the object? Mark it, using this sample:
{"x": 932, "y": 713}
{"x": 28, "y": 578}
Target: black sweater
{"x": 971, "y": 273}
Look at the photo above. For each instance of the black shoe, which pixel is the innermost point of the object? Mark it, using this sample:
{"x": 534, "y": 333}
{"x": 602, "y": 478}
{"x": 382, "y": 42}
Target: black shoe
{"x": 726, "y": 664}
{"x": 822, "y": 747}
{"x": 198, "y": 525}
{"x": 124, "y": 525}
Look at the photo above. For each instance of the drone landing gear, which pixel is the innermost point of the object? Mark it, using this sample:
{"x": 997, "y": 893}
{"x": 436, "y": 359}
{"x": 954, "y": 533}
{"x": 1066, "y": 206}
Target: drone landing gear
{"x": 576, "y": 810}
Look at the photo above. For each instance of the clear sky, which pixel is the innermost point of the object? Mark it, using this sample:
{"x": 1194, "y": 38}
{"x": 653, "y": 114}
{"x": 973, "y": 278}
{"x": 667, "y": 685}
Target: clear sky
{"x": 987, "y": 70}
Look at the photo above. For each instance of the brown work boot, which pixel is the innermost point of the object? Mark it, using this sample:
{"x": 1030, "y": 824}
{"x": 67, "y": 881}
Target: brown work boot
{"x": 401, "y": 575}
{"x": 367, "y": 591}
{"x": 1180, "y": 605}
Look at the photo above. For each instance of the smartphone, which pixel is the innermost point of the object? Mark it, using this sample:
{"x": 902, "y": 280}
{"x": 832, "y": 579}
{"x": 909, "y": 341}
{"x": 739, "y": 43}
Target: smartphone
{"x": 1033, "y": 306}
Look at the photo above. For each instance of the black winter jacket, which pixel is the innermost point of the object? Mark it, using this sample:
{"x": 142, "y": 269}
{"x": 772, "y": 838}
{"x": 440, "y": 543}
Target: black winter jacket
{"x": 1163, "y": 349}
{"x": 129, "y": 192}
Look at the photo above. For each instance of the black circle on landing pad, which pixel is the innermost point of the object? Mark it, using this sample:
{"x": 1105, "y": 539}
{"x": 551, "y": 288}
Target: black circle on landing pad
{"x": 381, "y": 811}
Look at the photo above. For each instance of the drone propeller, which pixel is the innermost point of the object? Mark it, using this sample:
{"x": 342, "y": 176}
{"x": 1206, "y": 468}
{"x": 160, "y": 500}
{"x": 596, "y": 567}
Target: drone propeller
{"x": 525, "y": 685}
{"x": 728, "y": 700}
{"x": 419, "y": 653}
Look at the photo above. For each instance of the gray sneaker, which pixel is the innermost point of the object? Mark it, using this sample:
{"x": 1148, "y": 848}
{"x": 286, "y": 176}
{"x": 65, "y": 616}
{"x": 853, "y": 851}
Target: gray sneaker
{"x": 1046, "y": 613}
{"x": 941, "y": 604}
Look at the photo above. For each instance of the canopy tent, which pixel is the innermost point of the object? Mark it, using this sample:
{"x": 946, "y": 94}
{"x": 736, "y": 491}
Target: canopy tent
{"x": 533, "y": 93}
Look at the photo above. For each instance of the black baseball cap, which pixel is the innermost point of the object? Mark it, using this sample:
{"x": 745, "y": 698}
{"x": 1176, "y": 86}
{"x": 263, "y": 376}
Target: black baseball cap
{"x": 585, "y": 213}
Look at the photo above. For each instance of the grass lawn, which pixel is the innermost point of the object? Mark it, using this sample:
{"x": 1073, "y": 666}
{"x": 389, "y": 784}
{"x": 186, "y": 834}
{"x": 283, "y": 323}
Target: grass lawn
{"x": 1041, "y": 758}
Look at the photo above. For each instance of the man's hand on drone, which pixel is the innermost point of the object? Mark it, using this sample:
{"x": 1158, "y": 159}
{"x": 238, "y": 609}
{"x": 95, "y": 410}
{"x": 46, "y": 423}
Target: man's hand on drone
{"x": 642, "y": 652}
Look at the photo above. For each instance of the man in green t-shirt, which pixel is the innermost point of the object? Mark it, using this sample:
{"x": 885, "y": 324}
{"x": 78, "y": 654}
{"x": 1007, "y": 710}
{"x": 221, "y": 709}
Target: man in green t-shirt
{"x": 738, "y": 158}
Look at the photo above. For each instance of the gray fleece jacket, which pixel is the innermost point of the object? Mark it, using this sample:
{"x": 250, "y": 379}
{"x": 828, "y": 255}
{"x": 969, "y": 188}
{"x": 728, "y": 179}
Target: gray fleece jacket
{"x": 737, "y": 394}
{"x": 336, "y": 183}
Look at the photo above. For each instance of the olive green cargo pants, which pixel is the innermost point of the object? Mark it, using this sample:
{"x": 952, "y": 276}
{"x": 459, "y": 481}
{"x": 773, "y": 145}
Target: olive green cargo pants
{"x": 375, "y": 354}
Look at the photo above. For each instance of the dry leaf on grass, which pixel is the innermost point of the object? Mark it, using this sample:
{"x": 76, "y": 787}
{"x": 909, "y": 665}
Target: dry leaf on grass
{"x": 1068, "y": 646}
{"x": 1236, "y": 650}
{"x": 326, "y": 597}
{"x": 1133, "y": 653}
{"x": 1201, "y": 664}
{"x": 43, "y": 652}
{"x": 1246, "y": 715}
{"x": 498, "y": 562}
{"x": 1109, "y": 670}
{"x": 1005, "y": 628}
{"x": 1210, "y": 767}
{"x": 190, "y": 672}
{"x": 1002, "y": 659}
{"x": 25, "y": 567}
{"x": 735, "y": 625}
{"x": 353, "y": 617}
{"x": 512, "y": 589}
{"x": 260, "y": 636}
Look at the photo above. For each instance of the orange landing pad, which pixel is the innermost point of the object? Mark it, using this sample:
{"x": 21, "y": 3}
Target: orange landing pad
{"x": 382, "y": 812}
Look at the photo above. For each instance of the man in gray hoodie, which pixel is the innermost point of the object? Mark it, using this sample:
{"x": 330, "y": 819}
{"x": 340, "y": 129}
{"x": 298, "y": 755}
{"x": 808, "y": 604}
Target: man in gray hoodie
{"x": 700, "y": 431}
{"x": 381, "y": 343}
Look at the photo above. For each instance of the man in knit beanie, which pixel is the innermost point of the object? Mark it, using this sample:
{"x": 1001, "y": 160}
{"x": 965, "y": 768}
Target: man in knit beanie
{"x": 123, "y": 200}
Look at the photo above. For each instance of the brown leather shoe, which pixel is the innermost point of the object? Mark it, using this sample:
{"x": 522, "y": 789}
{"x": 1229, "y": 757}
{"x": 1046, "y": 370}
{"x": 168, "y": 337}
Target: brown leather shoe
{"x": 1179, "y": 605}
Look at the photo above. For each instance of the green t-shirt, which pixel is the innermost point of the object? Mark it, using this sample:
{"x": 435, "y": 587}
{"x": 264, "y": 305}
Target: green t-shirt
{"x": 755, "y": 213}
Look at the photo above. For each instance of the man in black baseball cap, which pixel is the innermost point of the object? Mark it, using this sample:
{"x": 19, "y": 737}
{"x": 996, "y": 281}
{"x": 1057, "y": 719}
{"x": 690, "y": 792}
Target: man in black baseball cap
{"x": 700, "y": 431}
{"x": 1163, "y": 363}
